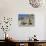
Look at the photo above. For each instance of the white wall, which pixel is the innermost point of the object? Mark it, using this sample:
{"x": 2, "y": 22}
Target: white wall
{"x": 12, "y": 8}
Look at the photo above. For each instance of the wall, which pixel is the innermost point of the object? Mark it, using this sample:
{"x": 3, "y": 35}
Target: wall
{"x": 12, "y": 8}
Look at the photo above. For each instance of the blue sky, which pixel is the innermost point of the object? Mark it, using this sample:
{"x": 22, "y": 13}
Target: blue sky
{"x": 21, "y": 16}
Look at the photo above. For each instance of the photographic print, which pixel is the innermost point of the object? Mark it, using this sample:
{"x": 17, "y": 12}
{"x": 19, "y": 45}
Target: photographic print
{"x": 26, "y": 19}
